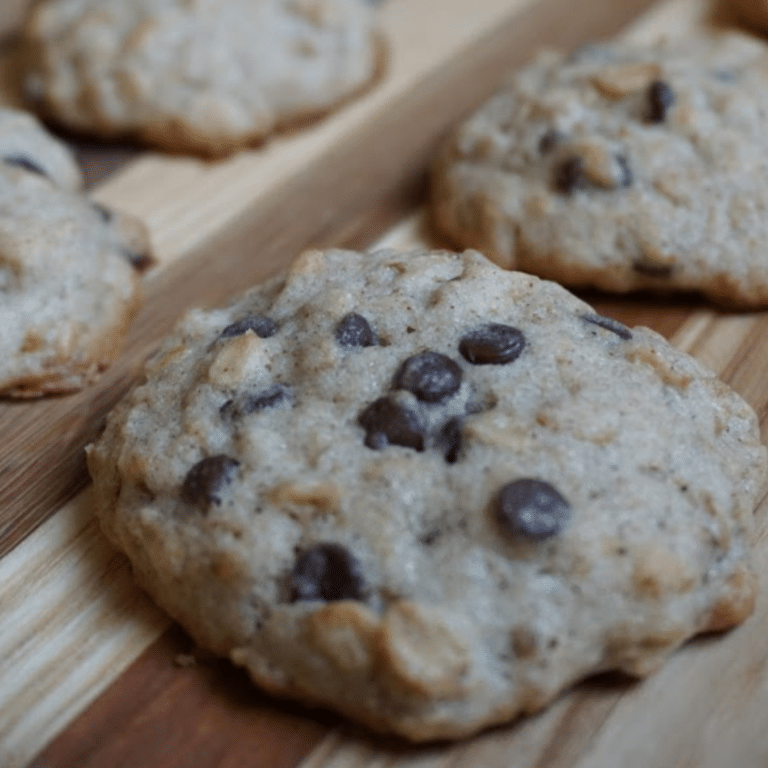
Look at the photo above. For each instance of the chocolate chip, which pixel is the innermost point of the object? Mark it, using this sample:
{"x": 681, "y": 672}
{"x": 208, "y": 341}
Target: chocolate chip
{"x": 626, "y": 177}
{"x": 22, "y": 161}
{"x": 492, "y": 344}
{"x": 532, "y": 509}
{"x": 569, "y": 174}
{"x": 327, "y": 572}
{"x": 141, "y": 262}
{"x": 431, "y": 376}
{"x": 651, "y": 269}
{"x": 251, "y": 402}
{"x": 355, "y": 331}
{"x": 450, "y": 439}
{"x": 106, "y": 215}
{"x": 660, "y": 98}
{"x": 548, "y": 141}
{"x": 614, "y": 326}
{"x": 263, "y": 327}
{"x": 388, "y": 422}
{"x": 207, "y": 479}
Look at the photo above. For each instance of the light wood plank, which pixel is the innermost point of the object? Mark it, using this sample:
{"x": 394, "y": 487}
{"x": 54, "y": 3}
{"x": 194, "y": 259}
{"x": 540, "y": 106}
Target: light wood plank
{"x": 72, "y": 620}
{"x": 183, "y": 199}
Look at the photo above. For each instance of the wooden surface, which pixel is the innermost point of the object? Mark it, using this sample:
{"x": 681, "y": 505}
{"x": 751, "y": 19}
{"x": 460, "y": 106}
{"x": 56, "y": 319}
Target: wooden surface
{"x": 92, "y": 674}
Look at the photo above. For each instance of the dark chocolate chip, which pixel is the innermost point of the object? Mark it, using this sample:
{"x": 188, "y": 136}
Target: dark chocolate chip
{"x": 652, "y": 270}
{"x": 626, "y": 178}
{"x": 387, "y": 422}
{"x": 106, "y": 215}
{"x": 327, "y": 572}
{"x": 251, "y": 402}
{"x": 431, "y": 376}
{"x": 569, "y": 174}
{"x": 532, "y": 509}
{"x": 22, "y": 161}
{"x": 207, "y": 479}
{"x": 614, "y": 326}
{"x": 355, "y": 331}
{"x": 450, "y": 438}
{"x": 548, "y": 141}
{"x": 660, "y": 98}
{"x": 141, "y": 262}
{"x": 492, "y": 344}
{"x": 263, "y": 327}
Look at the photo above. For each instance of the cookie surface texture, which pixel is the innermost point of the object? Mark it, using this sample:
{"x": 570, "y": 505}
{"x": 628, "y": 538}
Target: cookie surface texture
{"x": 621, "y": 168}
{"x": 428, "y": 492}
{"x": 68, "y": 282}
{"x": 201, "y": 76}
{"x": 25, "y": 143}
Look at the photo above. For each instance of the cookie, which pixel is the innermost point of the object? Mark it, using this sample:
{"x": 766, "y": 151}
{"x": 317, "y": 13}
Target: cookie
{"x": 620, "y": 168}
{"x": 68, "y": 280}
{"x": 25, "y": 143}
{"x": 428, "y": 492}
{"x": 200, "y": 76}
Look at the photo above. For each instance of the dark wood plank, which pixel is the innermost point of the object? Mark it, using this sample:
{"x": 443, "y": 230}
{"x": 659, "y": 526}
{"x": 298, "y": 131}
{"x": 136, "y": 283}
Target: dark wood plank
{"x": 99, "y": 160}
{"x": 344, "y": 197}
{"x": 207, "y": 714}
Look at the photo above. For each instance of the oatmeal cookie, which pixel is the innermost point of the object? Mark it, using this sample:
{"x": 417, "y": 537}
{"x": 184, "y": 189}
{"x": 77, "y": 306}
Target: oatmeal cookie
{"x": 201, "y": 76}
{"x": 621, "y": 168}
{"x": 68, "y": 280}
{"x": 428, "y": 492}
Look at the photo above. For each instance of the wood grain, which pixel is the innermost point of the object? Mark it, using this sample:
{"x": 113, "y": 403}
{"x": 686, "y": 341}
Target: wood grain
{"x": 218, "y": 719}
{"x": 85, "y": 655}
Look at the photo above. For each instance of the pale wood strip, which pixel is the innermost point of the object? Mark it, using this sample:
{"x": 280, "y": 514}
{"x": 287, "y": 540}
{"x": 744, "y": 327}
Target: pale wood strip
{"x": 184, "y": 199}
{"x": 72, "y": 620}
{"x": 551, "y": 740}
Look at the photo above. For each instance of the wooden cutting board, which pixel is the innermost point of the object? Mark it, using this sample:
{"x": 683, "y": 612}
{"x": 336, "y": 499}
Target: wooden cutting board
{"x": 92, "y": 674}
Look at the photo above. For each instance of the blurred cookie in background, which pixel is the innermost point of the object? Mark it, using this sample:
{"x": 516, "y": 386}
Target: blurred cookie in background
{"x": 69, "y": 268}
{"x": 197, "y": 76}
{"x": 621, "y": 168}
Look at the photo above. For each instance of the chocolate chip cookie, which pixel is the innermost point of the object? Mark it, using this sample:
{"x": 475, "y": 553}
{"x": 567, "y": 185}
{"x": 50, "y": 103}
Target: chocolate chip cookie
{"x": 428, "y": 492}
{"x": 621, "y": 168}
{"x": 68, "y": 276}
{"x": 200, "y": 76}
